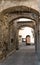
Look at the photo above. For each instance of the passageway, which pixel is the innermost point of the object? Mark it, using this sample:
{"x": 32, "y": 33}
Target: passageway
{"x": 24, "y": 56}
{"x": 12, "y": 20}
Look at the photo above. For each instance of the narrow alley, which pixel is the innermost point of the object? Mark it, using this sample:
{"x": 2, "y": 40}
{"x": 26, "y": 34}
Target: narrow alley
{"x": 24, "y": 56}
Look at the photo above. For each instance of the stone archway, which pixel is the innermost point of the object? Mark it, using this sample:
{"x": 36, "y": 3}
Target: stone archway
{"x": 13, "y": 13}
{"x": 20, "y": 24}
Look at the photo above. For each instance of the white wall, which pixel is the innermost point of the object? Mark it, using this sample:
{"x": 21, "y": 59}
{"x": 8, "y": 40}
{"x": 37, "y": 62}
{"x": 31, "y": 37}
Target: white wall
{"x": 27, "y": 31}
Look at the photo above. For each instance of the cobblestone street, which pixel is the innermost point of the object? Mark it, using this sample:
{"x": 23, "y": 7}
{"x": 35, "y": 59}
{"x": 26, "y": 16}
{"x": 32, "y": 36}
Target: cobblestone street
{"x": 24, "y": 56}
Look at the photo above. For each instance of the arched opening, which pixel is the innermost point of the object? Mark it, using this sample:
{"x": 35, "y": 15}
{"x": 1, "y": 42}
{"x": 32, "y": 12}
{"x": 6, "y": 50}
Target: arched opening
{"x": 11, "y": 17}
{"x": 23, "y": 22}
{"x": 26, "y": 27}
{"x": 26, "y": 32}
{"x": 27, "y": 39}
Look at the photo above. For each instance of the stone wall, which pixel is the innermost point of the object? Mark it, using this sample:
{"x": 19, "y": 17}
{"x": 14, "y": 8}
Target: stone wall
{"x": 8, "y": 37}
{"x": 4, "y": 4}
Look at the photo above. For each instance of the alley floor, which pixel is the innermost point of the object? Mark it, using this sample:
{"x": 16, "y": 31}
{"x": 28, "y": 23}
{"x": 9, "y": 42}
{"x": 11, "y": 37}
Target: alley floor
{"x": 24, "y": 56}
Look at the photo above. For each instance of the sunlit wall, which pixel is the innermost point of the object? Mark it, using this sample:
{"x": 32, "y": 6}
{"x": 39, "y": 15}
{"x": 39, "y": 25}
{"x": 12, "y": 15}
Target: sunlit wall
{"x": 27, "y": 31}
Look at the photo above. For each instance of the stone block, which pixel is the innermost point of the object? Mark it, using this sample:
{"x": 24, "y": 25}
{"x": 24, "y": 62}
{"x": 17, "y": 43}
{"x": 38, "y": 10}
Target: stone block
{"x": 1, "y": 55}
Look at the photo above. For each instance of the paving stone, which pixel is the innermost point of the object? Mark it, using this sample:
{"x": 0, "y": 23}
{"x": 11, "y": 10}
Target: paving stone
{"x": 24, "y": 56}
